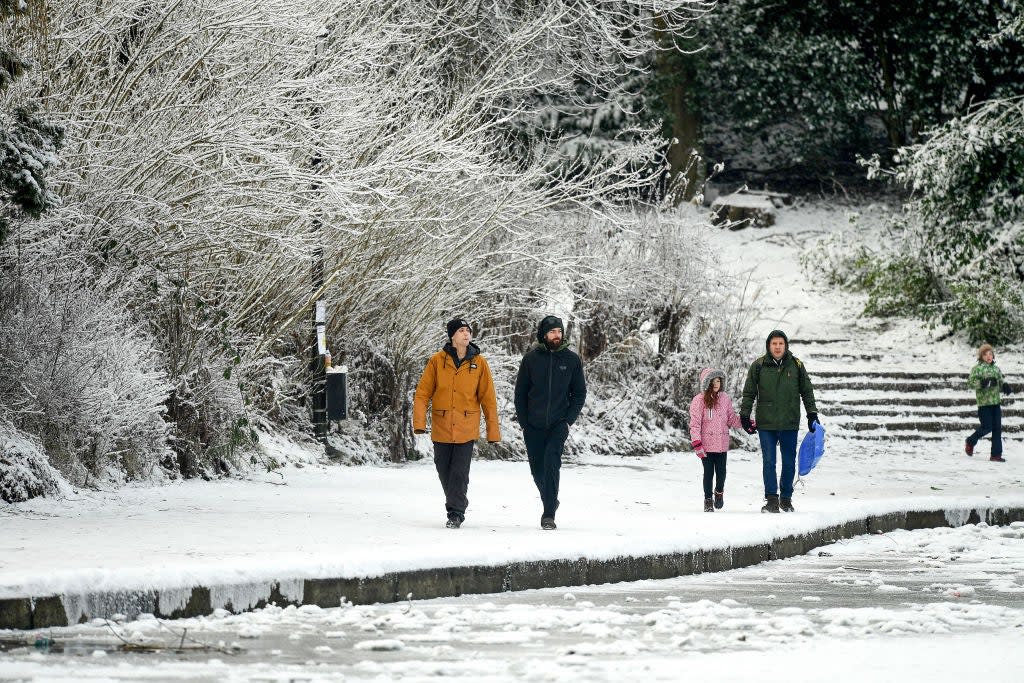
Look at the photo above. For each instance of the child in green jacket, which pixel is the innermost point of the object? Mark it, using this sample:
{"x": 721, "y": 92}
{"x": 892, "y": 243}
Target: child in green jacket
{"x": 988, "y": 384}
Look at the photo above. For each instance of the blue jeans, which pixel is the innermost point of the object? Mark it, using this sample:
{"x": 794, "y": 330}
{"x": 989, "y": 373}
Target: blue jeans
{"x": 991, "y": 418}
{"x": 785, "y": 440}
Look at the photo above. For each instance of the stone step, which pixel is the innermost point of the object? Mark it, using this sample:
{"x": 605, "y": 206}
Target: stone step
{"x": 897, "y": 375}
{"x": 881, "y": 411}
{"x": 893, "y": 385}
{"x": 897, "y": 400}
{"x": 903, "y": 437}
{"x": 799, "y": 341}
{"x": 920, "y": 426}
{"x": 907, "y": 437}
{"x": 821, "y": 357}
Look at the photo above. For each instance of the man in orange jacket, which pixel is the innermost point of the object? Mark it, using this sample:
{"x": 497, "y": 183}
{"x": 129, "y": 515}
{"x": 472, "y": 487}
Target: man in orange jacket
{"x": 457, "y": 384}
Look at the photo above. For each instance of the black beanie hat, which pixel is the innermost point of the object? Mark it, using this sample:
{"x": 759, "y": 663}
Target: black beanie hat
{"x": 455, "y": 325}
{"x": 549, "y": 323}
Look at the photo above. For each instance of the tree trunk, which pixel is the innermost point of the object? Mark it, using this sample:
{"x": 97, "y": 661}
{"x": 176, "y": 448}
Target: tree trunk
{"x": 670, "y": 322}
{"x": 678, "y": 72}
{"x": 402, "y": 444}
{"x": 894, "y": 125}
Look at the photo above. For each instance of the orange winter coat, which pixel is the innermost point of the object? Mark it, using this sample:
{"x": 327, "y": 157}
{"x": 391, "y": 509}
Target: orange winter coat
{"x": 456, "y": 397}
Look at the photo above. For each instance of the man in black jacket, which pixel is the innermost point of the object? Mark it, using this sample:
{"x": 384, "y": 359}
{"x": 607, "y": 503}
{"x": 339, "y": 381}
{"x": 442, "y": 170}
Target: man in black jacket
{"x": 550, "y": 391}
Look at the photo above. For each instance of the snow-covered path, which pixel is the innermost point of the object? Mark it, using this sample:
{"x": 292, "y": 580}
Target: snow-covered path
{"x": 336, "y": 522}
{"x": 364, "y": 521}
{"x": 922, "y": 605}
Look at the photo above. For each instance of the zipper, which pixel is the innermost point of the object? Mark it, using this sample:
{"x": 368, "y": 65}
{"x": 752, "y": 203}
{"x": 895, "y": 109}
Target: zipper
{"x": 451, "y": 401}
{"x": 551, "y": 367}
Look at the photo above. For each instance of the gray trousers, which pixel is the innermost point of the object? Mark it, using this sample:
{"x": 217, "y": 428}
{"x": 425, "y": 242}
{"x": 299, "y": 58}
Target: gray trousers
{"x": 452, "y": 463}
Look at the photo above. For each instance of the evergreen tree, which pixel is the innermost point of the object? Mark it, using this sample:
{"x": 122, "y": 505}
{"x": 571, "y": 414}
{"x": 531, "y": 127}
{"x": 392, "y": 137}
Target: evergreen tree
{"x": 28, "y": 143}
{"x": 802, "y": 88}
{"x": 957, "y": 253}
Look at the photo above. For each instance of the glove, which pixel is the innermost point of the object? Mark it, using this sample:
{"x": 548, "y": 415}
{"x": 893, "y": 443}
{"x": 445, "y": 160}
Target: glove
{"x": 1007, "y": 389}
{"x": 748, "y": 426}
{"x": 419, "y": 431}
{"x": 698, "y": 449}
{"x": 811, "y": 419}
{"x": 988, "y": 382}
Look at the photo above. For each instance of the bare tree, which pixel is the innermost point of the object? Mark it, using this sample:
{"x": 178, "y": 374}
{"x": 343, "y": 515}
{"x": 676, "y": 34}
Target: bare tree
{"x": 215, "y": 147}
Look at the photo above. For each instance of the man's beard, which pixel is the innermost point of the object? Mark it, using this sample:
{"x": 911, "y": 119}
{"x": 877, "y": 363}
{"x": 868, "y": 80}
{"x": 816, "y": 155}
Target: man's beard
{"x": 552, "y": 345}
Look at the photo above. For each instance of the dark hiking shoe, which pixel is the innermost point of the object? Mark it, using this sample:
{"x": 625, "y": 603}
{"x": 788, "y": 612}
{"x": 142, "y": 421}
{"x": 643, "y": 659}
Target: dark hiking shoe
{"x": 709, "y": 505}
{"x": 454, "y": 521}
{"x": 997, "y": 458}
{"x": 719, "y": 499}
{"x": 968, "y": 448}
{"x": 547, "y": 523}
{"x": 786, "y": 505}
{"x": 771, "y": 504}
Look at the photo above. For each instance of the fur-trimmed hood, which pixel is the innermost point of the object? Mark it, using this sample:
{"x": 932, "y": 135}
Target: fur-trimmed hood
{"x": 709, "y": 374}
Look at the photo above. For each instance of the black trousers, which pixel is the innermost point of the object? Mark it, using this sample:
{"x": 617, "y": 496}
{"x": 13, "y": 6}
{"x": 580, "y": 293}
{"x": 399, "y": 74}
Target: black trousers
{"x": 452, "y": 463}
{"x": 714, "y": 466}
{"x": 544, "y": 449}
{"x": 991, "y": 418}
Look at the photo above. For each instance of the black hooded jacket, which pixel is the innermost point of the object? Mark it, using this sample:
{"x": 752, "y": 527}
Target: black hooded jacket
{"x": 550, "y": 387}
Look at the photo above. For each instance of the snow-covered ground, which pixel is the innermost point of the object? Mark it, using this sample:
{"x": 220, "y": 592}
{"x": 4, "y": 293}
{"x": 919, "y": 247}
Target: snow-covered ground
{"x": 938, "y": 605}
{"x": 368, "y": 520}
{"x": 362, "y": 521}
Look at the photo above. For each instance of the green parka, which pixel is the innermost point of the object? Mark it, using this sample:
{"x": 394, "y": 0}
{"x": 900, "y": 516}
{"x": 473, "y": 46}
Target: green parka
{"x": 989, "y": 396}
{"x": 778, "y": 387}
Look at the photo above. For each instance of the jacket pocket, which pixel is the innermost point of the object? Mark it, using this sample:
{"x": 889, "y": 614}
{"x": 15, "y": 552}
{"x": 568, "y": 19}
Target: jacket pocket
{"x": 439, "y": 411}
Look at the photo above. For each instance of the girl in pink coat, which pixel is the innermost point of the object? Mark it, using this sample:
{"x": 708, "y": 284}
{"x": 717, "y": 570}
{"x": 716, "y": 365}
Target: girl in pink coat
{"x": 711, "y": 415}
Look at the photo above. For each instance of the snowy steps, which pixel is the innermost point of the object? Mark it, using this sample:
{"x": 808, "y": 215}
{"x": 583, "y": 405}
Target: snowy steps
{"x": 868, "y": 393}
{"x": 903, "y": 405}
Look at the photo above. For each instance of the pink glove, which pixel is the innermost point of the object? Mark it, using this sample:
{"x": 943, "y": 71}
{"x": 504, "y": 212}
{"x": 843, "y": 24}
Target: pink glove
{"x": 698, "y": 449}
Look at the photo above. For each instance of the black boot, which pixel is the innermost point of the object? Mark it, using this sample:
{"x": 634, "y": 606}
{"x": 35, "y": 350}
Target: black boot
{"x": 719, "y": 499}
{"x": 771, "y": 504}
{"x": 786, "y": 505}
{"x": 709, "y": 505}
{"x": 454, "y": 520}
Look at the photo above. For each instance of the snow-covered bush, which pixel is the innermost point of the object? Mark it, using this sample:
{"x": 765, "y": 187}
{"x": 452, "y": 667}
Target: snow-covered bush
{"x": 76, "y": 373}
{"x": 229, "y": 165}
{"x": 670, "y": 311}
{"x": 960, "y": 245}
{"x": 25, "y": 472}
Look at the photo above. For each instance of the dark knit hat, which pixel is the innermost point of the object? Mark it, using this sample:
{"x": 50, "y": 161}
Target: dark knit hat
{"x": 549, "y": 323}
{"x": 455, "y": 325}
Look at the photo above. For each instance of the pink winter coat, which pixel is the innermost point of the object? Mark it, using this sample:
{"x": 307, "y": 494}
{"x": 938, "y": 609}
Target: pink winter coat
{"x": 711, "y": 427}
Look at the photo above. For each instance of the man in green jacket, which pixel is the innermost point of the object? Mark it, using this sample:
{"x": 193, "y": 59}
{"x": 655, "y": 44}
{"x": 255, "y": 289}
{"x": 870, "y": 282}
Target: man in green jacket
{"x": 778, "y": 381}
